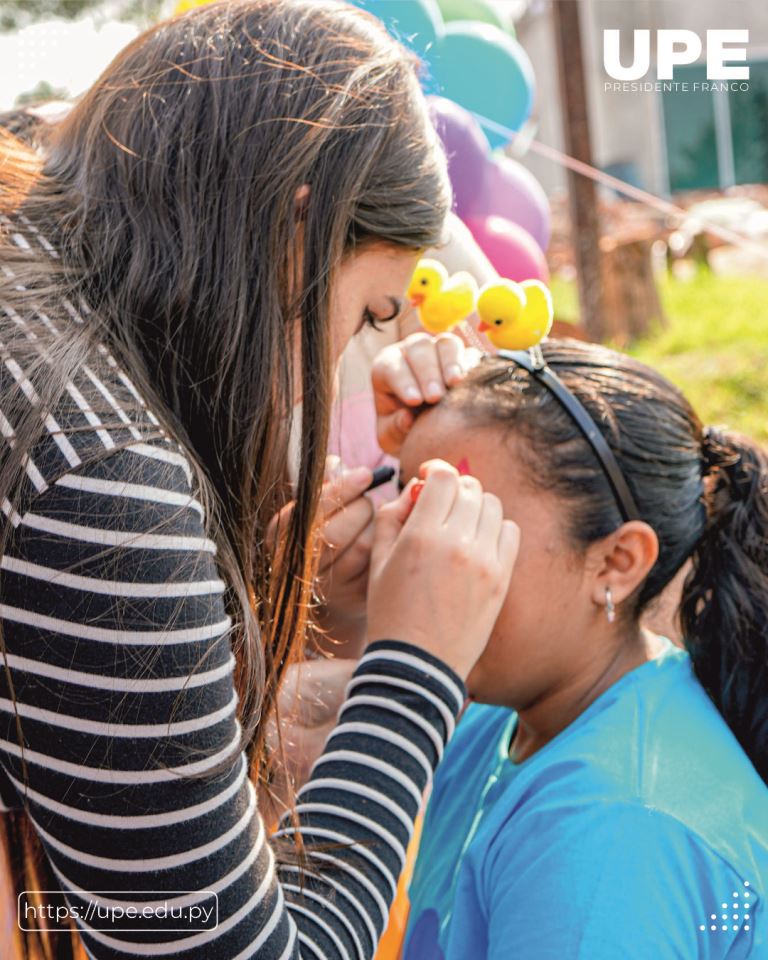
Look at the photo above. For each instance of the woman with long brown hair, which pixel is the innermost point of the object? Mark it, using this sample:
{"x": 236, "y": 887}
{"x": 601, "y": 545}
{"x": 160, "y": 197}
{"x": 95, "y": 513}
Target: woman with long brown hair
{"x": 182, "y": 261}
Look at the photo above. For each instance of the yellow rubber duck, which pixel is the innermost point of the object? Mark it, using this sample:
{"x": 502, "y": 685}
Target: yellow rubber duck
{"x": 515, "y": 316}
{"x": 442, "y": 300}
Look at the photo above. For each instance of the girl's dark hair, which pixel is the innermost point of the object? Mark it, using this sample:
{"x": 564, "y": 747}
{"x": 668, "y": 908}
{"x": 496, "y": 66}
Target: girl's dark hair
{"x": 170, "y": 192}
{"x": 704, "y": 492}
{"x": 21, "y": 123}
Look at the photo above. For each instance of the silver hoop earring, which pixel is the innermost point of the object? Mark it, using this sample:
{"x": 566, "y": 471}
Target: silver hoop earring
{"x": 610, "y": 609}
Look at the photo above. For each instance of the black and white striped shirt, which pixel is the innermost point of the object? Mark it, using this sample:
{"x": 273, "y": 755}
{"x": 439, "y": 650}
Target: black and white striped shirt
{"x": 118, "y": 696}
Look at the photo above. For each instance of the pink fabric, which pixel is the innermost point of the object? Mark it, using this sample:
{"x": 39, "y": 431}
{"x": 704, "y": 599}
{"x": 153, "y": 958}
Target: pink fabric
{"x": 353, "y": 439}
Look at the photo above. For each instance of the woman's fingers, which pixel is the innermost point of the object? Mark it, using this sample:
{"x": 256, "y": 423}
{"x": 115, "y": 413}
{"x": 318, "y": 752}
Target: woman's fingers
{"x": 466, "y": 511}
{"x": 345, "y": 539}
{"x": 342, "y": 489}
{"x": 439, "y": 575}
{"x": 450, "y": 353}
{"x": 391, "y": 430}
{"x": 490, "y": 523}
{"x": 390, "y": 518}
{"x": 440, "y": 489}
{"x": 429, "y": 467}
{"x": 333, "y": 466}
{"x": 421, "y": 353}
{"x": 344, "y": 529}
{"x": 509, "y": 546}
{"x": 394, "y": 382}
{"x": 417, "y": 370}
{"x": 352, "y": 563}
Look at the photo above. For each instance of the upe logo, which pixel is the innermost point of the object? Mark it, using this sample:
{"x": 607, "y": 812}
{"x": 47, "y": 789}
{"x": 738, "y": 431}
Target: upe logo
{"x": 676, "y": 48}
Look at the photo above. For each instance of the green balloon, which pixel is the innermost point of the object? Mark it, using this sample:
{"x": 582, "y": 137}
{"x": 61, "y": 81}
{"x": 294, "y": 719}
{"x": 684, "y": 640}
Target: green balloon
{"x": 482, "y": 10}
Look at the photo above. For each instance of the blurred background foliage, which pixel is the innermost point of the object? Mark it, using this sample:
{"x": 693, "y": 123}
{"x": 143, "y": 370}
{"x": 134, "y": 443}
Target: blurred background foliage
{"x": 714, "y": 347}
{"x": 17, "y": 14}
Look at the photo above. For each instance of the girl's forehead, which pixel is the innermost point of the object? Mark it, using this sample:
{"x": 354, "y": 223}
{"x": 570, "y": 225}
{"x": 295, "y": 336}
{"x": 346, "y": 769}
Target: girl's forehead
{"x": 490, "y": 453}
{"x": 445, "y": 433}
{"x": 435, "y": 432}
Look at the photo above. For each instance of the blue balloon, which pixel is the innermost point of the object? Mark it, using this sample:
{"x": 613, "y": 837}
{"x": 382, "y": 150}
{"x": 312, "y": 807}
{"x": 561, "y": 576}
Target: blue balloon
{"x": 487, "y": 72}
{"x": 415, "y": 23}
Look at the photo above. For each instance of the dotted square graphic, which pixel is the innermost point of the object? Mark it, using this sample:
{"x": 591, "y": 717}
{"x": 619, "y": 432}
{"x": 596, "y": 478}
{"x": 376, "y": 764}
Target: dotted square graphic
{"x": 739, "y": 902}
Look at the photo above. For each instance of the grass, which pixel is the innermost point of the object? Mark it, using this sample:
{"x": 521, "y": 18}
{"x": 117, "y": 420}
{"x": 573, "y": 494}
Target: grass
{"x": 715, "y": 347}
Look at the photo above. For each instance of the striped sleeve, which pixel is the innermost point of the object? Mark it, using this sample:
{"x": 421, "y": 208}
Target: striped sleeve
{"x": 363, "y": 796}
{"x": 118, "y": 730}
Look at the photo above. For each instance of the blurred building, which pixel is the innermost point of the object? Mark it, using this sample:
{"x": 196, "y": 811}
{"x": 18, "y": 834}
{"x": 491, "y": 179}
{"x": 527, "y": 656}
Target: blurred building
{"x": 664, "y": 141}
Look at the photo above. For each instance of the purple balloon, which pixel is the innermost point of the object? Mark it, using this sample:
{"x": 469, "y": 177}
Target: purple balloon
{"x": 511, "y": 191}
{"x": 466, "y": 147}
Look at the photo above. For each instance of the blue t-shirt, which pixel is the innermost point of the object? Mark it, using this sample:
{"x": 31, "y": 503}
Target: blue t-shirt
{"x": 640, "y": 831}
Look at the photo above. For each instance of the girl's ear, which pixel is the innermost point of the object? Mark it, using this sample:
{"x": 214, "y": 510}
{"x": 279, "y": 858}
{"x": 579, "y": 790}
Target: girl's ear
{"x": 621, "y": 561}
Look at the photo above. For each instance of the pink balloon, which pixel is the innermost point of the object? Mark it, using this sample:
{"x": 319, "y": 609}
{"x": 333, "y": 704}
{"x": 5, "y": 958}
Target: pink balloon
{"x": 510, "y": 248}
{"x": 510, "y": 190}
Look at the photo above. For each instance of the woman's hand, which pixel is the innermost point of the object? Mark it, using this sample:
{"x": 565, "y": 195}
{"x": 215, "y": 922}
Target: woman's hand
{"x": 347, "y": 536}
{"x": 440, "y": 569}
{"x": 345, "y": 519}
{"x": 413, "y": 371}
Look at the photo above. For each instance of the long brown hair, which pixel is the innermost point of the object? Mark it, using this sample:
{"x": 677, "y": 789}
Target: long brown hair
{"x": 704, "y": 492}
{"x": 169, "y": 192}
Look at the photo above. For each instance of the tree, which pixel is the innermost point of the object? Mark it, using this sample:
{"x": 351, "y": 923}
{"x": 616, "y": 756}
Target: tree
{"x": 21, "y": 13}
{"x": 41, "y": 93}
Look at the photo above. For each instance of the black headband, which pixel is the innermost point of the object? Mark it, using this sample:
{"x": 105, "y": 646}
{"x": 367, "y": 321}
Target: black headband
{"x": 533, "y": 361}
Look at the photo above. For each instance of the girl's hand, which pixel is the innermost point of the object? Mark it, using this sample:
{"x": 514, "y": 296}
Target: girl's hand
{"x": 309, "y": 701}
{"x": 440, "y": 569}
{"x": 416, "y": 370}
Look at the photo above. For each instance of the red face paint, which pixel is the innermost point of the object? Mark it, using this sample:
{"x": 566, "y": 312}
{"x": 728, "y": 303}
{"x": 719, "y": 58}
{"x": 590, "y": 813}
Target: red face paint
{"x": 463, "y": 467}
{"x": 416, "y": 491}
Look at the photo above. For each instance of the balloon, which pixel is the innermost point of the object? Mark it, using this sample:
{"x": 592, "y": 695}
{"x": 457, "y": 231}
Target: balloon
{"x": 510, "y": 248}
{"x": 184, "y": 6}
{"x": 487, "y": 72}
{"x": 472, "y": 10}
{"x": 466, "y": 147}
{"x": 416, "y": 23}
{"x": 511, "y": 191}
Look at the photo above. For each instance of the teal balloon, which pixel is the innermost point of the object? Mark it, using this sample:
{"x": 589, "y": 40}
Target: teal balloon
{"x": 415, "y": 23}
{"x": 480, "y": 10}
{"x": 487, "y": 72}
